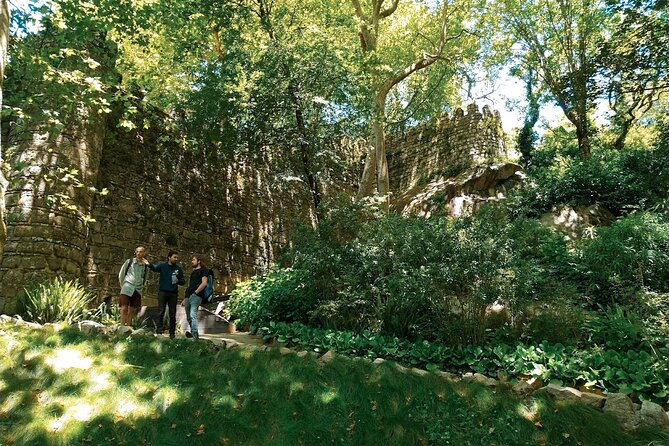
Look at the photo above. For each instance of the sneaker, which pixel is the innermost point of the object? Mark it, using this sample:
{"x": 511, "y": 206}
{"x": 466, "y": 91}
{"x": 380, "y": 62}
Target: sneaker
{"x": 189, "y": 334}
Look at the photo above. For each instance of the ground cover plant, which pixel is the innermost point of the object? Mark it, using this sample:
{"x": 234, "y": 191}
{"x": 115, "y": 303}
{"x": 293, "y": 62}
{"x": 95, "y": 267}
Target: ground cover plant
{"x": 644, "y": 374}
{"x": 60, "y": 387}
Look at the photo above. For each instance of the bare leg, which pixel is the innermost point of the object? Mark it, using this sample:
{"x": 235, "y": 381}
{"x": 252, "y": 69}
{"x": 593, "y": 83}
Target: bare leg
{"x": 124, "y": 315}
{"x": 131, "y": 314}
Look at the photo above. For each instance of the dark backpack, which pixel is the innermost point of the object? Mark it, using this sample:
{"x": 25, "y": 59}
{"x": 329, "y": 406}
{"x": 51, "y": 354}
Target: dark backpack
{"x": 209, "y": 289}
{"x": 129, "y": 262}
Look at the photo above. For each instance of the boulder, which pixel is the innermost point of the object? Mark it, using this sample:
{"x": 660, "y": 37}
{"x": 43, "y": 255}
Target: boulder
{"x": 479, "y": 378}
{"x": 448, "y": 375}
{"x": 559, "y": 393}
{"x": 90, "y": 327}
{"x": 521, "y": 388}
{"x": 460, "y": 194}
{"x": 141, "y": 332}
{"x": 230, "y": 344}
{"x": 593, "y": 399}
{"x": 652, "y": 415}
{"x": 123, "y": 330}
{"x": 573, "y": 221}
{"x": 329, "y": 356}
{"x": 302, "y": 354}
{"x": 621, "y": 408}
{"x": 419, "y": 372}
{"x": 378, "y": 361}
{"x": 285, "y": 351}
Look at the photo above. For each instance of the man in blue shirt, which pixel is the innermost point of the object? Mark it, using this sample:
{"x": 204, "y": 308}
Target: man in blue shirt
{"x": 171, "y": 276}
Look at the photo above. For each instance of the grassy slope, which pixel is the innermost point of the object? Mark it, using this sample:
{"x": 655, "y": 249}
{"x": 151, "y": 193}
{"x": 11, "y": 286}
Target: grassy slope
{"x": 63, "y": 387}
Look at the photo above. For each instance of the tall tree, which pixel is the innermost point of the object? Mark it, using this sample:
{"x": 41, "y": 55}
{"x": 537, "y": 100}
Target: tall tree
{"x": 560, "y": 40}
{"x": 372, "y": 18}
{"x": 635, "y": 62}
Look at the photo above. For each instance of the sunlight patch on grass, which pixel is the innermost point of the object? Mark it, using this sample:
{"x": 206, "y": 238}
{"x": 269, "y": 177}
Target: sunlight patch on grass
{"x": 11, "y": 343}
{"x": 296, "y": 387}
{"x": 75, "y": 414}
{"x": 12, "y": 401}
{"x": 127, "y": 406}
{"x": 165, "y": 397}
{"x": 67, "y": 358}
{"x": 328, "y": 396}
{"x": 99, "y": 381}
{"x": 530, "y": 412}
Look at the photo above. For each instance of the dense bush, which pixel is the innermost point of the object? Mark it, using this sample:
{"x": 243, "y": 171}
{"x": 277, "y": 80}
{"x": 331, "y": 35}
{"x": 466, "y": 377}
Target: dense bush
{"x": 621, "y": 181}
{"x": 625, "y": 257}
{"x": 408, "y": 277}
{"x": 436, "y": 279}
{"x": 57, "y": 300}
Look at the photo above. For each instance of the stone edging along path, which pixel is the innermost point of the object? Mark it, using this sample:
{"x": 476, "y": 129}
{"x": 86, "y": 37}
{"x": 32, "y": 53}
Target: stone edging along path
{"x": 630, "y": 415}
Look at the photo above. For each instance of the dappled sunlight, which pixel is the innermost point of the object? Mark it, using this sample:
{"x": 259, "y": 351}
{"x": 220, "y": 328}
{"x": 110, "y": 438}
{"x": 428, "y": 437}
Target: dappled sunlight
{"x": 296, "y": 387}
{"x": 530, "y": 412}
{"x": 12, "y": 401}
{"x": 76, "y": 413}
{"x": 67, "y": 358}
{"x": 328, "y": 396}
{"x": 165, "y": 397}
{"x": 99, "y": 381}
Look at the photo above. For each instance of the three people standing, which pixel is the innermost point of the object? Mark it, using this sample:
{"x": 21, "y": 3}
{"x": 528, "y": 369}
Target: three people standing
{"x": 132, "y": 277}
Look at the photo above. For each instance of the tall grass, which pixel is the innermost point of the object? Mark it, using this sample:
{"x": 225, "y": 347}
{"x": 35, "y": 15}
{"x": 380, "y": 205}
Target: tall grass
{"x": 57, "y": 300}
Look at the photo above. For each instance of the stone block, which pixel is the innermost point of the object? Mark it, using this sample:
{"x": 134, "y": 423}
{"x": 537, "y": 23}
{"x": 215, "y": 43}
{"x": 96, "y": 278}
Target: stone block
{"x": 652, "y": 415}
{"x": 327, "y": 357}
{"x": 559, "y": 393}
{"x": 621, "y": 408}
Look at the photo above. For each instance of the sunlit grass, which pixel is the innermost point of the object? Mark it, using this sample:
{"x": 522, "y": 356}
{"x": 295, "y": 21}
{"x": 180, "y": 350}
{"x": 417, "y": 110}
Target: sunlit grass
{"x": 60, "y": 387}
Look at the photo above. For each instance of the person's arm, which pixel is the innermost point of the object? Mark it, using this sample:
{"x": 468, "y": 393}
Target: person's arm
{"x": 121, "y": 274}
{"x": 181, "y": 280}
{"x": 155, "y": 267}
{"x": 203, "y": 285}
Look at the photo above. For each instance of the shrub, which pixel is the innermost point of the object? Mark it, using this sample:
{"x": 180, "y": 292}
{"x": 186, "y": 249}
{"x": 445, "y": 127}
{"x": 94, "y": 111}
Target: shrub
{"x": 617, "y": 328}
{"x": 57, "y": 300}
{"x": 630, "y": 255}
{"x": 621, "y": 181}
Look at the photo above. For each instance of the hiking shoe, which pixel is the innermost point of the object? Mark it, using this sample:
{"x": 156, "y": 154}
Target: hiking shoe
{"x": 189, "y": 334}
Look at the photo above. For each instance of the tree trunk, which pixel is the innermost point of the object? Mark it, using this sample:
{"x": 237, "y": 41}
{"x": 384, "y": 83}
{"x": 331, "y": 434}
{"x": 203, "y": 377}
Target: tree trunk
{"x": 305, "y": 154}
{"x": 619, "y": 144}
{"x": 583, "y": 135}
{"x": 379, "y": 138}
{"x": 367, "y": 180}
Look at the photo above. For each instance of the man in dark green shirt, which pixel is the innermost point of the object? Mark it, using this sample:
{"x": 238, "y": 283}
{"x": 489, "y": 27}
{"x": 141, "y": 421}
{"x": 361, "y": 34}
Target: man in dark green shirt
{"x": 171, "y": 276}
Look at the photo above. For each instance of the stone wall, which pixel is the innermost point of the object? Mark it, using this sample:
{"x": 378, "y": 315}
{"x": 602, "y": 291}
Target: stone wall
{"x": 159, "y": 196}
{"x": 163, "y": 197}
{"x": 444, "y": 147}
